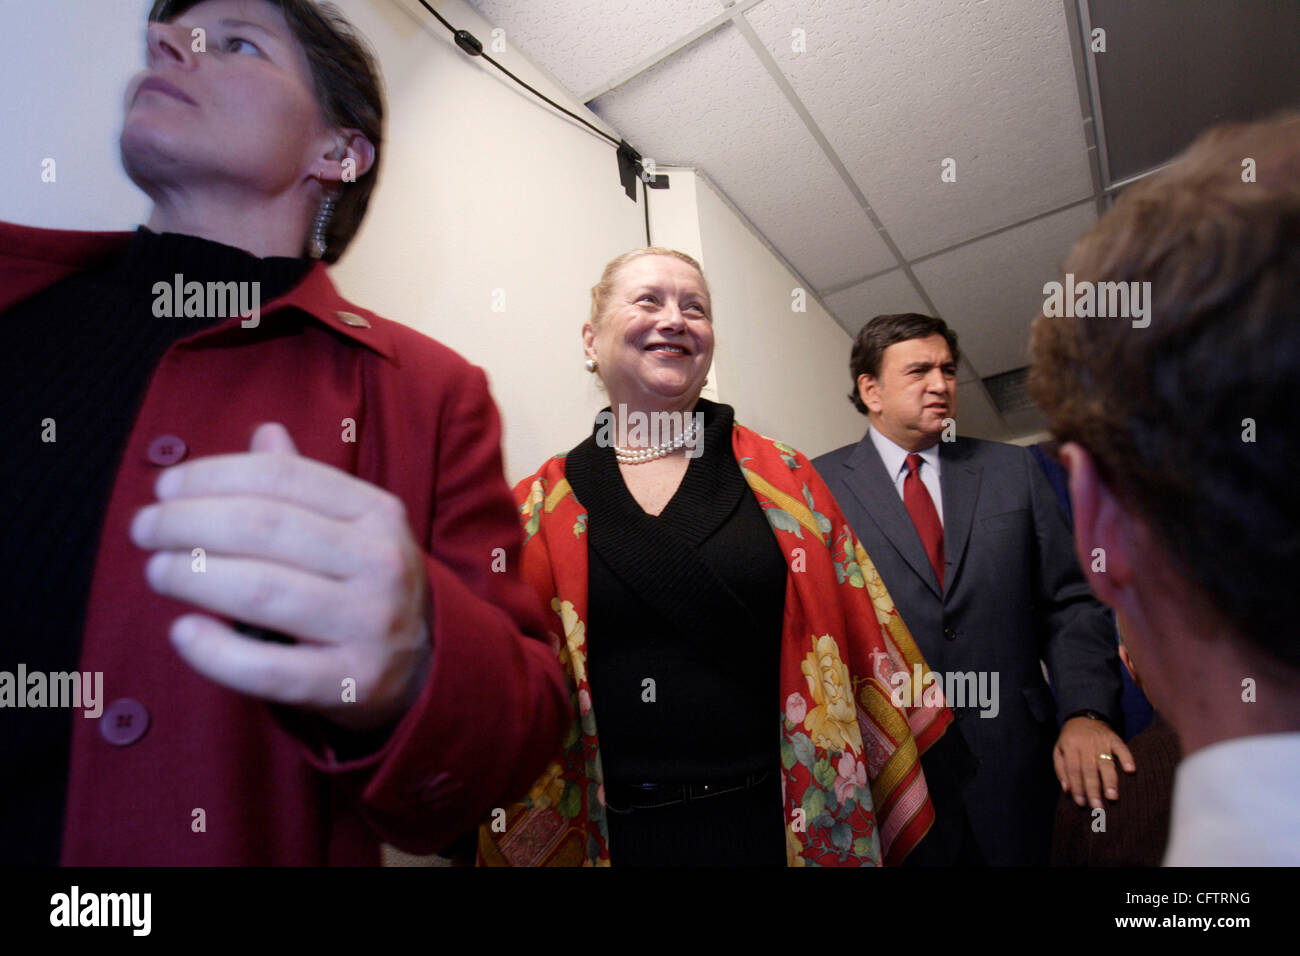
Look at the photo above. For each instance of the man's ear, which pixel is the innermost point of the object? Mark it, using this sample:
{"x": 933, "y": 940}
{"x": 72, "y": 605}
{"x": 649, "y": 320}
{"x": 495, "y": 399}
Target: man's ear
{"x": 351, "y": 158}
{"x": 1103, "y": 537}
{"x": 869, "y": 392}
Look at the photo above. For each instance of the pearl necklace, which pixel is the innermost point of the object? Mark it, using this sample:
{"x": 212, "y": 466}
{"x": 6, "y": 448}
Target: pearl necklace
{"x": 637, "y": 456}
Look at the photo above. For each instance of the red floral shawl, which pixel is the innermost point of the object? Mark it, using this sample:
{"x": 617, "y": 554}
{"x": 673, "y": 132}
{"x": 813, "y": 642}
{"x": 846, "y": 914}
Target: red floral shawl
{"x": 853, "y": 787}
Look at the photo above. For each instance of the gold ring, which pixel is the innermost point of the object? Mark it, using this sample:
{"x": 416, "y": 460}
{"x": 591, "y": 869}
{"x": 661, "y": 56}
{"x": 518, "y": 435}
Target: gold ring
{"x": 1105, "y": 757}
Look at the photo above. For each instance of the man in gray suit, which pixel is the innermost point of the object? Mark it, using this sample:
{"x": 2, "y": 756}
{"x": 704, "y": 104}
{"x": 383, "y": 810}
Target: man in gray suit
{"x": 970, "y": 541}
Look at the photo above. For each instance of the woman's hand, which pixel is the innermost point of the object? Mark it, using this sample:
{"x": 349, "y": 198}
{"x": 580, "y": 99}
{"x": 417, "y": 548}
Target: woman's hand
{"x": 304, "y": 549}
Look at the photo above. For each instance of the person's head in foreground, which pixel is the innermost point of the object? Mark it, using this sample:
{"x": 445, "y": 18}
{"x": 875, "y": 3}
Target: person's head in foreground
{"x": 1184, "y": 456}
{"x": 256, "y": 123}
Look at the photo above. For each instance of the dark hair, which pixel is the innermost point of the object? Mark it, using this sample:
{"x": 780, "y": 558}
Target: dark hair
{"x": 348, "y": 88}
{"x": 882, "y": 332}
{"x": 1165, "y": 410}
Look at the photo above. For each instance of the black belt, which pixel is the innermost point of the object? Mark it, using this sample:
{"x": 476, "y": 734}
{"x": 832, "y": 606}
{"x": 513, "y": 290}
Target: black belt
{"x": 626, "y": 797}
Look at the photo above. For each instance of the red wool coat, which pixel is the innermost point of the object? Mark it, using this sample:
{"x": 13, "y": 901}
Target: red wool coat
{"x": 495, "y": 706}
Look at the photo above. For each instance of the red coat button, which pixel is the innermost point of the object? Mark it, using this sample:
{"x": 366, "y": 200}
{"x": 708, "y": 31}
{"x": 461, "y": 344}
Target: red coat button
{"x": 123, "y": 722}
{"x": 166, "y": 450}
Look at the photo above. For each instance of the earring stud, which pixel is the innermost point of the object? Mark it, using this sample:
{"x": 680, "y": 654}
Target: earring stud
{"x": 591, "y": 365}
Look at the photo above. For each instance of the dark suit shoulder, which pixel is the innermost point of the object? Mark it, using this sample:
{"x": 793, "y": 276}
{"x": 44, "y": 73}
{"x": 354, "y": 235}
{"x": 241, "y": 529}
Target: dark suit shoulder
{"x": 979, "y": 451}
{"x": 982, "y": 451}
{"x": 825, "y": 464}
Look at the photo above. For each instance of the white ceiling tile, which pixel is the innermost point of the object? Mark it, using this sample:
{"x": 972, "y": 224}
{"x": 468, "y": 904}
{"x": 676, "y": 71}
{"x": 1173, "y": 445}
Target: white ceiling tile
{"x": 898, "y": 87}
{"x": 884, "y": 295}
{"x": 714, "y": 106}
{"x": 584, "y": 44}
{"x": 991, "y": 290}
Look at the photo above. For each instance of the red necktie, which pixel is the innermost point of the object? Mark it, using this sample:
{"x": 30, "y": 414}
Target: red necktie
{"x": 924, "y": 515}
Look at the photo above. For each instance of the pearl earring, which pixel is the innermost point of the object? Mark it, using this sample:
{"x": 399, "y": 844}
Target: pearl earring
{"x": 590, "y": 364}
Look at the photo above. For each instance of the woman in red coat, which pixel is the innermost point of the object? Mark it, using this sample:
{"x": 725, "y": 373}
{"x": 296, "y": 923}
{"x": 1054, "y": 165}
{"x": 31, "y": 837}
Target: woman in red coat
{"x": 267, "y": 528}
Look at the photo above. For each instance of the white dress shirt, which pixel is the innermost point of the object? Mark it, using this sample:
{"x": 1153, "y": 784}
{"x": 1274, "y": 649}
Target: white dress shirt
{"x": 895, "y": 459}
{"x": 1236, "y": 803}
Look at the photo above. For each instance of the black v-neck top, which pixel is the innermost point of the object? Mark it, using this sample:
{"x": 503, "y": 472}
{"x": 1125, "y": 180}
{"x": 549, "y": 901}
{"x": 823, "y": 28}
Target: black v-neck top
{"x": 691, "y": 599}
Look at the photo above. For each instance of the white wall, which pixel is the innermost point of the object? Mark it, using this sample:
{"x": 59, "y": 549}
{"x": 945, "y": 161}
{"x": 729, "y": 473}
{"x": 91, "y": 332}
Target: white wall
{"x": 64, "y": 66}
{"x": 785, "y": 372}
{"x": 481, "y": 188}
{"x": 486, "y": 188}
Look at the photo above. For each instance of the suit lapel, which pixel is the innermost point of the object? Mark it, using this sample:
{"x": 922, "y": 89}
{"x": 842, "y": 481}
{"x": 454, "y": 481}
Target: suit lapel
{"x": 876, "y": 493}
{"x": 959, "y": 480}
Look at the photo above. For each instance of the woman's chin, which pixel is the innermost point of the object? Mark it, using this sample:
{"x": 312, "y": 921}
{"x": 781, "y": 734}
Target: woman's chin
{"x": 148, "y": 151}
{"x": 676, "y": 388}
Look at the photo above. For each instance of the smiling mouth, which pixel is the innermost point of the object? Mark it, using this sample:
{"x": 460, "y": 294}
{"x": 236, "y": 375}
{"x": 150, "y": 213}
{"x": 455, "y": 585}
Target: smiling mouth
{"x": 665, "y": 347}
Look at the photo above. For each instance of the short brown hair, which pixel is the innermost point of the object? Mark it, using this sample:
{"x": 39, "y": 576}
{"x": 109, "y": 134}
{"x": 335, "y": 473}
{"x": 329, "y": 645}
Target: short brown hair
{"x": 602, "y": 290}
{"x": 1166, "y": 411}
{"x": 348, "y": 88}
{"x": 882, "y": 332}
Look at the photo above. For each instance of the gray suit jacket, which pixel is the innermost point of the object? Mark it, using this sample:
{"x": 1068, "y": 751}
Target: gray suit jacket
{"x": 1014, "y": 597}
